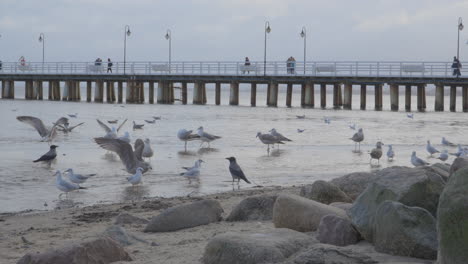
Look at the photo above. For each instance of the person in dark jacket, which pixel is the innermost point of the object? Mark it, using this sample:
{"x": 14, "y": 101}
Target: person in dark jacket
{"x": 109, "y": 65}
{"x": 456, "y": 66}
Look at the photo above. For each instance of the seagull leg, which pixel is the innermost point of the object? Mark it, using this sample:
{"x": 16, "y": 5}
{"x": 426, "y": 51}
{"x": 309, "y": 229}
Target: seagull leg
{"x": 185, "y": 146}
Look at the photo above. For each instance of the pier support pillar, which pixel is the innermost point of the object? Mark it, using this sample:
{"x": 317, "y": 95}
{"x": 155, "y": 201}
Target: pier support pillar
{"x": 99, "y": 91}
{"x": 394, "y": 97}
{"x": 336, "y": 95}
{"x": 348, "y": 96}
{"x": 4, "y": 92}
{"x": 120, "y": 91}
{"x": 289, "y": 91}
{"x": 218, "y": 93}
{"x": 465, "y": 98}
{"x": 234, "y": 94}
{"x": 151, "y": 92}
{"x": 309, "y": 95}
{"x": 253, "y": 94}
{"x": 408, "y": 98}
{"x": 28, "y": 90}
{"x": 363, "y": 96}
{"x": 141, "y": 92}
{"x": 54, "y": 90}
{"x": 199, "y": 93}
{"x": 8, "y": 89}
{"x": 453, "y": 98}
{"x": 130, "y": 92}
{"x": 66, "y": 91}
{"x": 272, "y": 94}
{"x": 12, "y": 90}
{"x": 37, "y": 86}
{"x": 303, "y": 92}
{"x": 323, "y": 95}
{"x": 378, "y": 97}
{"x": 110, "y": 97}
{"x": 89, "y": 91}
{"x": 439, "y": 98}
{"x": 184, "y": 93}
{"x": 78, "y": 91}
{"x": 421, "y": 97}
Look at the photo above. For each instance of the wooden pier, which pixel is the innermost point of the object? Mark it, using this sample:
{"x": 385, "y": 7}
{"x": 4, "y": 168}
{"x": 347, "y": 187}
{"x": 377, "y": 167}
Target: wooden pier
{"x": 131, "y": 89}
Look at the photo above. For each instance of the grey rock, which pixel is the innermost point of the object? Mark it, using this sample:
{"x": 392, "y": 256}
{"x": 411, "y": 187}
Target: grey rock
{"x": 253, "y": 208}
{"x": 457, "y": 164}
{"x": 452, "y": 220}
{"x": 99, "y": 251}
{"x": 341, "y": 205}
{"x": 119, "y": 234}
{"x": 329, "y": 254}
{"x": 324, "y": 192}
{"x": 126, "y": 218}
{"x": 337, "y": 231}
{"x": 442, "y": 169}
{"x": 405, "y": 231}
{"x": 410, "y": 186}
{"x": 186, "y": 216}
{"x": 353, "y": 184}
{"x": 255, "y": 248}
{"x": 301, "y": 214}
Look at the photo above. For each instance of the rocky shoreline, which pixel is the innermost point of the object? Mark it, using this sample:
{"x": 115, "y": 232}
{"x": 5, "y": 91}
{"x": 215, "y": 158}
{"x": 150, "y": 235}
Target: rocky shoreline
{"x": 395, "y": 215}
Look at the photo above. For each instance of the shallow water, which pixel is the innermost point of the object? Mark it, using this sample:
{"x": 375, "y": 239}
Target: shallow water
{"x": 323, "y": 151}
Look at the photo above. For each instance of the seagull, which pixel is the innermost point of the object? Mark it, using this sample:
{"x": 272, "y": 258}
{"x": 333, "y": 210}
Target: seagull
{"x": 236, "y": 171}
{"x": 268, "y": 139}
{"x": 156, "y": 117}
{"x": 390, "y": 152}
{"x": 77, "y": 178}
{"x": 300, "y": 130}
{"x": 110, "y": 132}
{"x": 186, "y": 135}
{"x": 431, "y": 149}
{"x": 447, "y": 143}
{"x": 125, "y": 137}
{"x": 137, "y": 126}
{"x": 135, "y": 178}
{"x": 49, "y": 156}
{"x": 206, "y": 137}
{"x": 147, "y": 150}
{"x": 460, "y": 152}
{"x": 444, "y": 155}
{"x": 326, "y": 120}
{"x": 150, "y": 121}
{"x": 300, "y": 116}
{"x": 65, "y": 186}
{"x": 131, "y": 159}
{"x": 358, "y": 137}
{"x": 417, "y": 161}
{"x": 66, "y": 128}
{"x": 353, "y": 126}
{"x": 410, "y": 115}
{"x": 45, "y": 133}
{"x": 73, "y": 115}
{"x": 280, "y": 137}
{"x": 376, "y": 153}
{"x": 192, "y": 172}
{"x": 112, "y": 121}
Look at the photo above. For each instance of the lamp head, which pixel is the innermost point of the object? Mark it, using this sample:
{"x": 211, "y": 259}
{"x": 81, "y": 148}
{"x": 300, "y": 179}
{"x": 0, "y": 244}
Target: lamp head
{"x": 303, "y": 33}
{"x": 460, "y": 24}
{"x": 41, "y": 38}
{"x": 128, "y": 32}
{"x": 167, "y": 36}
{"x": 268, "y": 29}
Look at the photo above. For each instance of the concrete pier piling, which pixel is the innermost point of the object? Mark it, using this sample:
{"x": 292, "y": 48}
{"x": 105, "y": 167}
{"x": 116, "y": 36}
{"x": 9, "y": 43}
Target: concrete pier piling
{"x": 309, "y": 95}
{"x": 323, "y": 95}
{"x": 89, "y": 91}
{"x": 453, "y": 98}
{"x": 120, "y": 92}
{"x": 363, "y": 96}
{"x": 253, "y": 94}
{"x": 336, "y": 95}
{"x": 110, "y": 92}
{"x": 151, "y": 92}
{"x": 421, "y": 97}
{"x": 272, "y": 94}
{"x": 37, "y": 86}
{"x": 184, "y": 93}
{"x": 348, "y": 96}
{"x": 218, "y": 93}
{"x": 465, "y": 98}
{"x": 199, "y": 93}
{"x": 99, "y": 91}
{"x": 234, "y": 94}
{"x": 439, "y": 98}
{"x": 28, "y": 90}
{"x": 378, "y": 97}
{"x": 408, "y": 98}
{"x": 289, "y": 92}
{"x": 303, "y": 91}
{"x": 394, "y": 97}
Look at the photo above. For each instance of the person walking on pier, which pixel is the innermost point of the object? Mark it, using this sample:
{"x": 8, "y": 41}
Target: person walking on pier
{"x": 456, "y": 66}
{"x": 109, "y": 65}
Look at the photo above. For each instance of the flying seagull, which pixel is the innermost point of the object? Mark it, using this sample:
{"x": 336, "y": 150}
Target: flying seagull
{"x": 45, "y": 133}
{"x": 150, "y": 121}
{"x": 110, "y": 132}
{"x": 49, "y": 156}
{"x": 236, "y": 171}
{"x": 75, "y": 115}
{"x": 186, "y": 135}
{"x": 66, "y": 128}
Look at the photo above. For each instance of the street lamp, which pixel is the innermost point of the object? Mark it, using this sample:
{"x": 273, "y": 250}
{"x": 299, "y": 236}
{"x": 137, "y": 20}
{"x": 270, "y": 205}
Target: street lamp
{"x": 126, "y": 33}
{"x": 42, "y": 39}
{"x": 169, "y": 37}
{"x": 267, "y": 30}
{"x": 460, "y": 28}
{"x": 304, "y": 36}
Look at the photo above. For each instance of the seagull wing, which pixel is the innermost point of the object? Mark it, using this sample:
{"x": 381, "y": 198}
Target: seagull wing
{"x": 139, "y": 146}
{"x": 104, "y": 126}
{"x": 210, "y": 136}
{"x": 121, "y": 125}
{"x": 36, "y": 123}
{"x": 122, "y": 148}
{"x": 71, "y": 128}
{"x": 61, "y": 121}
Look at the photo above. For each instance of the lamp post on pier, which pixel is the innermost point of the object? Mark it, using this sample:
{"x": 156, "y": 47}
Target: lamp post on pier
{"x": 169, "y": 37}
{"x": 304, "y": 36}
{"x": 267, "y": 30}
{"x": 126, "y": 33}
{"x": 42, "y": 39}
{"x": 460, "y": 28}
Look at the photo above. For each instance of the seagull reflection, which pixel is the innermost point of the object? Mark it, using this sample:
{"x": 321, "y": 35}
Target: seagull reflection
{"x": 66, "y": 204}
{"x": 207, "y": 150}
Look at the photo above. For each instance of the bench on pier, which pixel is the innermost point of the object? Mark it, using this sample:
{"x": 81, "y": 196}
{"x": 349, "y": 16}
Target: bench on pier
{"x": 95, "y": 68}
{"x": 412, "y": 68}
{"x": 325, "y": 68}
{"x": 247, "y": 68}
{"x": 25, "y": 68}
{"x": 160, "y": 68}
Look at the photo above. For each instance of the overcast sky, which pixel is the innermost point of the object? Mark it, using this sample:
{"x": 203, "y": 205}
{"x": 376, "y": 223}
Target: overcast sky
{"x": 210, "y": 30}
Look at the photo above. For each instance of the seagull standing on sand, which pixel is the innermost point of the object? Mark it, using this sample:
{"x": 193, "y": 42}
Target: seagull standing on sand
{"x": 358, "y": 137}
{"x": 444, "y": 155}
{"x": 268, "y": 139}
{"x": 410, "y": 116}
{"x": 206, "y": 137}
{"x": 65, "y": 186}
{"x": 236, "y": 171}
{"x": 431, "y": 149}
{"x": 46, "y": 134}
{"x": 376, "y": 153}
{"x": 447, "y": 143}
{"x": 278, "y": 136}
{"x": 192, "y": 172}
{"x": 186, "y": 135}
{"x": 390, "y": 152}
{"x": 327, "y": 120}
{"x": 300, "y": 130}
{"x": 135, "y": 178}
{"x": 147, "y": 150}
{"x": 49, "y": 156}
{"x": 77, "y": 178}
{"x": 417, "y": 162}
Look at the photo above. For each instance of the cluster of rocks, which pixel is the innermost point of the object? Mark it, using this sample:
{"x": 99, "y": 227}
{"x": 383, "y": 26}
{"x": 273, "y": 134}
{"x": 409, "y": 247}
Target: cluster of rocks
{"x": 415, "y": 214}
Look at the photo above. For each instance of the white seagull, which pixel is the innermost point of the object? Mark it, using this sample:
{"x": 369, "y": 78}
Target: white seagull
{"x": 358, "y": 137}
{"x": 417, "y": 161}
{"x": 77, "y": 178}
{"x": 192, "y": 172}
{"x": 444, "y": 155}
{"x": 186, "y": 135}
{"x": 431, "y": 149}
{"x": 135, "y": 178}
{"x": 65, "y": 186}
{"x": 111, "y": 132}
{"x": 147, "y": 150}
{"x": 206, "y": 137}
{"x": 390, "y": 152}
{"x": 447, "y": 143}
{"x": 47, "y": 134}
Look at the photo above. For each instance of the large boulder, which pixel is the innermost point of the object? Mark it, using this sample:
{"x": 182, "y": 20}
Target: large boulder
{"x": 442, "y": 169}
{"x": 324, "y": 192}
{"x": 457, "y": 164}
{"x": 353, "y": 184}
{"x": 186, "y": 216}
{"x": 301, "y": 214}
{"x": 329, "y": 254}
{"x": 405, "y": 231}
{"x": 255, "y": 248}
{"x": 100, "y": 251}
{"x": 452, "y": 220}
{"x": 258, "y": 207}
{"x": 337, "y": 231}
{"x": 341, "y": 205}
{"x": 410, "y": 186}
{"x": 126, "y": 218}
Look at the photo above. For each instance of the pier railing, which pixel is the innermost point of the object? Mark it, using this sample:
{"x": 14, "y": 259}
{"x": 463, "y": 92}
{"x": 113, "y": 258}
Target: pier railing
{"x": 272, "y": 68}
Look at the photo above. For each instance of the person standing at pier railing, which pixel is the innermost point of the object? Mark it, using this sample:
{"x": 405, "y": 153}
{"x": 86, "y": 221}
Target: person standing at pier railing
{"x": 290, "y": 65}
{"x": 456, "y": 66}
{"x": 247, "y": 64}
{"x": 109, "y": 65}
